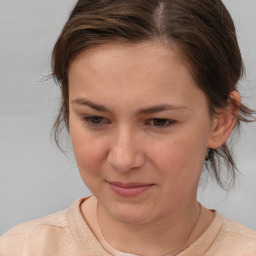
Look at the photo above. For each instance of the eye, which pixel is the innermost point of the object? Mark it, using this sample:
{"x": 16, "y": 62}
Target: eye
{"x": 95, "y": 120}
{"x": 161, "y": 123}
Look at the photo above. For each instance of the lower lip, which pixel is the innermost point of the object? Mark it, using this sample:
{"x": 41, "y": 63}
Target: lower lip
{"x": 130, "y": 191}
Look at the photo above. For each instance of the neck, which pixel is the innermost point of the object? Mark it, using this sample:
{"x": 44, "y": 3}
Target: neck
{"x": 170, "y": 233}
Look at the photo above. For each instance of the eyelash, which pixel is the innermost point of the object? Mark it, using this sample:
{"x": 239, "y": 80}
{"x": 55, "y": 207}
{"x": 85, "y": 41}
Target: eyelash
{"x": 167, "y": 122}
{"x": 90, "y": 120}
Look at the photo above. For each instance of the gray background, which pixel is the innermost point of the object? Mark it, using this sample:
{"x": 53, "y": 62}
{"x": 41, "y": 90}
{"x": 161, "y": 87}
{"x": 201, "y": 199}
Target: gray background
{"x": 35, "y": 178}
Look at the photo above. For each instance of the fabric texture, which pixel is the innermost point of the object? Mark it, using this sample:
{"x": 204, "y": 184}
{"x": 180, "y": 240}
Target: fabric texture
{"x": 66, "y": 233}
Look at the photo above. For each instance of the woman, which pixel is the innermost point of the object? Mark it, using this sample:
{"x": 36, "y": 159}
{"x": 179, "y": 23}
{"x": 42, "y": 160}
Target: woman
{"x": 149, "y": 96}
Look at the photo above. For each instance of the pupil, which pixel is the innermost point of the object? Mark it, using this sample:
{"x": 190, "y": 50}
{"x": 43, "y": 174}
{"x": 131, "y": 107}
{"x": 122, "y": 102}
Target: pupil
{"x": 96, "y": 119}
{"x": 159, "y": 122}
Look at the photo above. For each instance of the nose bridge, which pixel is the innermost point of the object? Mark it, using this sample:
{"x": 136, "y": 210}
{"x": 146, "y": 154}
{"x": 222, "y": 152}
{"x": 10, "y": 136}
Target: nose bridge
{"x": 125, "y": 152}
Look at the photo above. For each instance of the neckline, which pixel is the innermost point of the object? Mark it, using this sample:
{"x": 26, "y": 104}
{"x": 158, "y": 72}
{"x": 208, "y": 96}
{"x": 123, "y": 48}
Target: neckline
{"x": 113, "y": 251}
{"x": 85, "y": 237}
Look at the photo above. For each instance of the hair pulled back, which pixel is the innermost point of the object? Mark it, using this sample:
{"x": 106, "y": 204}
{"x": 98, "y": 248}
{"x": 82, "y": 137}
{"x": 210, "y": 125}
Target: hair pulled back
{"x": 201, "y": 30}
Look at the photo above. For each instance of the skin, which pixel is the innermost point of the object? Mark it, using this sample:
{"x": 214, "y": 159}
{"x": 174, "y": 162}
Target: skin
{"x": 118, "y": 134}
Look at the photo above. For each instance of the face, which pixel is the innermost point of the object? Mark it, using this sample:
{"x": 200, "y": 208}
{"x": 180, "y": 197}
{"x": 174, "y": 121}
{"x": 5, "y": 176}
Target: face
{"x": 140, "y": 129}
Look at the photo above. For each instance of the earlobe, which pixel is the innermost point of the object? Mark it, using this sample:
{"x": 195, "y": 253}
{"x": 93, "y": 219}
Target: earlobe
{"x": 225, "y": 121}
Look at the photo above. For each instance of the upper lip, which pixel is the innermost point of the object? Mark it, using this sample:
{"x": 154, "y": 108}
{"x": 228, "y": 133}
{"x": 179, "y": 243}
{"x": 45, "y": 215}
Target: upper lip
{"x": 129, "y": 184}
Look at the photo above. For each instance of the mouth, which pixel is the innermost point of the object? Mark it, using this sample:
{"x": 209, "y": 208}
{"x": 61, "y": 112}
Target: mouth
{"x": 130, "y": 189}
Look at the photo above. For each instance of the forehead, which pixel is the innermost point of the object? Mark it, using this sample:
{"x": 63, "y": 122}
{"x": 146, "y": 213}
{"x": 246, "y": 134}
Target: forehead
{"x": 150, "y": 57}
{"x": 112, "y": 53}
{"x": 148, "y": 71}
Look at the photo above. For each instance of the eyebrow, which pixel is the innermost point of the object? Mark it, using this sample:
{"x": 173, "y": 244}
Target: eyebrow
{"x": 90, "y": 104}
{"x": 160, "y": 108}
{"x": 149, "y": 110}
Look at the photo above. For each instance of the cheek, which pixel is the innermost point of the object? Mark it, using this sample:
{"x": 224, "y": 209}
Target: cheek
{"x": 181, "y": 160}
{"x": 89, "y": 153}
{"x": 90, "y": 159}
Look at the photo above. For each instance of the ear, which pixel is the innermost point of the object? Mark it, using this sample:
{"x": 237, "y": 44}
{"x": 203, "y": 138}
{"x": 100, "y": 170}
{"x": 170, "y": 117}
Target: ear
{"x": 224, "y": 122}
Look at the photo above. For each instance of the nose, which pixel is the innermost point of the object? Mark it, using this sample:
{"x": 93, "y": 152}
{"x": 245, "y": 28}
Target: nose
{"x": 126, "y": 153}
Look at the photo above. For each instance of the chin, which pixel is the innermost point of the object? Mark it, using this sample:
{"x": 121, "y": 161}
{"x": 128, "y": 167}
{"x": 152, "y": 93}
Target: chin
{"x": 132, "y": 216}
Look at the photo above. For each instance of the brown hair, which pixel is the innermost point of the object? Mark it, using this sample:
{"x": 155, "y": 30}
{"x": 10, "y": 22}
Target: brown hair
{"x": 202, "y": 30}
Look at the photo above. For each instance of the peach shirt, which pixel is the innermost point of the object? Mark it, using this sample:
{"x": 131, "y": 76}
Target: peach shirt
{"x": 66, "y": 233}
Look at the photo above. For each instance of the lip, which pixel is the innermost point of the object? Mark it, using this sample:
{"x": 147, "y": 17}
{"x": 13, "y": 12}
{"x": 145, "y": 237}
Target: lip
{"x": 130, "y": 189}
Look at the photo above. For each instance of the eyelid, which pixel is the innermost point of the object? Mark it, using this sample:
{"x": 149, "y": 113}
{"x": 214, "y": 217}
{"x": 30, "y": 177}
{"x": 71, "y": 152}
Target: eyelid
{"x": 170, "y": 122}
{"x": 88, "y": 120}
{"x": 102, "y": 121}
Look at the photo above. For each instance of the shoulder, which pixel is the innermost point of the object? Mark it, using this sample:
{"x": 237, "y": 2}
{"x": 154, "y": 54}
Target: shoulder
{"x": 234, "y": 227}
{"x": 32, "y": 230}
{"x": 60, "y": 234}
{"x": 235, "y": 239}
